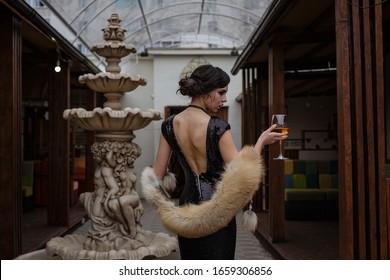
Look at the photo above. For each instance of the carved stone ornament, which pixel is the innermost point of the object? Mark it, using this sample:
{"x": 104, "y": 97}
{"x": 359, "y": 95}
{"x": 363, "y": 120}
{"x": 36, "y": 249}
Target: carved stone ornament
{"x": 114, "y": 207}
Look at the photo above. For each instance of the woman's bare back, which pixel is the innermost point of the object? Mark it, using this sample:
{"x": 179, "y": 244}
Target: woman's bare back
{"x": 190, "y": 127}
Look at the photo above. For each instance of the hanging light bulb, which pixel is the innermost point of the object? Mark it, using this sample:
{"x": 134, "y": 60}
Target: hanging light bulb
{"x": 58, "y": 65}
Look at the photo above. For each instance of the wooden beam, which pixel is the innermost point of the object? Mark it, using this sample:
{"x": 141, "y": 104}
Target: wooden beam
{"x": 291, "y": 39}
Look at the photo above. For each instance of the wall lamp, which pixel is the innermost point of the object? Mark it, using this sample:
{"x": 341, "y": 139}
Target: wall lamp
{"x": 234, "y": 52}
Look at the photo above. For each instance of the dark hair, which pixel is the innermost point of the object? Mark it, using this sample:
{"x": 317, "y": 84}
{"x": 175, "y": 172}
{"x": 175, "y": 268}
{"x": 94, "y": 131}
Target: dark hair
{"x": 203, "y": 79}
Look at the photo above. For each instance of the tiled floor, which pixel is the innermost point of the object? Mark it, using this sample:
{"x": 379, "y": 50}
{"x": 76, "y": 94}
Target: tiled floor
{"x": 248, "y": 246}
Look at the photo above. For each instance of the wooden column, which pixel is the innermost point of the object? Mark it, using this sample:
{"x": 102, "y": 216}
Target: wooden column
{"x": 362, "y": 188}
{"x": 379, "y": 101}
{"x": 344, "y": 131}
{"x": 10, "y": 136}
{"x": 243, "y": 106}
{"x": 276, "y": 167}
{"x": 59, "y": 147}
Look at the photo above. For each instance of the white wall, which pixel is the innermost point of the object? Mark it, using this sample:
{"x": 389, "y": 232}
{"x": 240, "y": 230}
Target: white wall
{"x": 162, "y": 71}
{"x": 142, "y": 98}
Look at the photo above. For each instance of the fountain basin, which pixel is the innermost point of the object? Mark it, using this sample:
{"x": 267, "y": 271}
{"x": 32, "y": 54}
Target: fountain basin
{"x": 117, "y": 50}
{"x": 112, "y": 82}
{"x": 107, "y": 119}
{"x": 146, "y": 244}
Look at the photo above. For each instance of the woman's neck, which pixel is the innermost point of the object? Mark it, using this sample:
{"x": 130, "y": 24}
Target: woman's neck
{"x": 197, "y": 106}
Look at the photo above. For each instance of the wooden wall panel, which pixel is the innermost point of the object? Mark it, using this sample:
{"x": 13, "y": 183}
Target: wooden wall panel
{"x": 59, "y": 148}
{"x": 10, "y": 135}
{"x": 358, "y": 131}
{"x": 360, "y": 86}
{"x": 383, "y": 219}
{"x": 387, "y": 223}
{"x": 369, "y": 121}
{"x": 253, "y": 118}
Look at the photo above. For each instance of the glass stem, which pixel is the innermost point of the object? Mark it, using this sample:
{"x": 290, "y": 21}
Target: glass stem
{"x": 280, "y": 147}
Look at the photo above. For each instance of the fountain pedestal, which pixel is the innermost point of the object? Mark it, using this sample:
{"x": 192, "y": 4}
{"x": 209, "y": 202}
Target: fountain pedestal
{"x": 114, "y": 207}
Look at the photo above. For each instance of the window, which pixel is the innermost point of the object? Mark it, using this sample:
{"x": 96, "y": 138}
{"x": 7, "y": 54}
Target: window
{"x": 35, "y": 3}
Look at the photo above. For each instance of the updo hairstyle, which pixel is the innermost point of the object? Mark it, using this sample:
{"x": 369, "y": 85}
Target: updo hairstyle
{"x": 203, "y": 79}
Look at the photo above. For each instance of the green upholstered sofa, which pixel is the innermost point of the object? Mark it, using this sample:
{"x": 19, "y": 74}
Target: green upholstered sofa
{"x": 27, "y": 186}
{"x": 311, "y": 189}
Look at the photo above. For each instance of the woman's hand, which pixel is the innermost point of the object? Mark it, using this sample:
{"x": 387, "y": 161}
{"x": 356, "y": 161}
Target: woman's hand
{"x": 269, "y": 137}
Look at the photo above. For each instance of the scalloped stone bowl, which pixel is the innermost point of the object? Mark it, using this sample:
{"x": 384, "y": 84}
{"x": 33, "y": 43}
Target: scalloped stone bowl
{"x": 107, "y": 119}
{"x": 110, "y": 49}
{"x": 112, "y": 82}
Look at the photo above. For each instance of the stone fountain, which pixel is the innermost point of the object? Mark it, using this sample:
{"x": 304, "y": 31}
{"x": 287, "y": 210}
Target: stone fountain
{"x": 114, "y": 208}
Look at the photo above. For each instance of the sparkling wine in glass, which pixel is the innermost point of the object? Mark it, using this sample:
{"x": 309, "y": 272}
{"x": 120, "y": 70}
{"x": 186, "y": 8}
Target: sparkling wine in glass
{"x": 281, "y": 126}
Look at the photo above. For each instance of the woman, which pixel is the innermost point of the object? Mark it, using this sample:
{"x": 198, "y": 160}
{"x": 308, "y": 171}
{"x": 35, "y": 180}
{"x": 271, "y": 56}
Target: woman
{"x": 204, "y": 146}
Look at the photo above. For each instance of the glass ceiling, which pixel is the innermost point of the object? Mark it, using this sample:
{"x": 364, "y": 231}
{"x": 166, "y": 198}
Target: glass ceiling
{"x": 161, "y": 23}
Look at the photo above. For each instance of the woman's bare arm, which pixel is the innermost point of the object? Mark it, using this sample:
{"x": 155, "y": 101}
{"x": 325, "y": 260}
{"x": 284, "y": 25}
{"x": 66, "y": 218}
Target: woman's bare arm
{"x": 162, "y": 158}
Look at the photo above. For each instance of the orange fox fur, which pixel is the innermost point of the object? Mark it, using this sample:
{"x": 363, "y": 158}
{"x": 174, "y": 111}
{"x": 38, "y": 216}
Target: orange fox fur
{"x": 238, "y": 183}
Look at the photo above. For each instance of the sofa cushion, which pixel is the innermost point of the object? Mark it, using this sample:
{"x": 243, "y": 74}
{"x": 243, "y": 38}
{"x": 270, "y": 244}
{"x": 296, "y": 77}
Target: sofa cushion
{"x": 288, "y": 166}
{"x": 27, "y": 173}
{"x": 332, "y": 194}
{"x": 312, "y": 181}
{"x": 311, "y": 189}
{"x": 304, "y": 195}
{"x": 324, "y": 167}
{"x": 311, "y": 167}
{"x": 299, "y": 181}
{"x": 289, "y": 181}
{"x": 299, "y": 167}
{"x": 27, "y": 191}
{"x": 325, "y": 181}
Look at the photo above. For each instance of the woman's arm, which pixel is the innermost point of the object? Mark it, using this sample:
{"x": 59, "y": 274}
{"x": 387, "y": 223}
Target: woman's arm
{"x": 229, "y": 151}
{"x": 162, "y": 158}
{"x": 269, "y": 137}
{"x": 227, "y": 148}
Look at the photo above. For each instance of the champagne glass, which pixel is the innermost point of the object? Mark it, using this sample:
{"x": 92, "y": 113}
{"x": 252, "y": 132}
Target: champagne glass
{"x": 281, "y": 126}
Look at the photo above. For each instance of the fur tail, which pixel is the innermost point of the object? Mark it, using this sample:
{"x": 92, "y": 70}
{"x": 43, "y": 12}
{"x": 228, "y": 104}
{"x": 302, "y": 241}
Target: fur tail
{"x": 238, "y": 184}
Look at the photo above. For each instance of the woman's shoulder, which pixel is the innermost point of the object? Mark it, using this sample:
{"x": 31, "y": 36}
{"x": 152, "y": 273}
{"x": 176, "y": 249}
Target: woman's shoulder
{"x": 167, "y": 126}
{"x": 168, "y": 121}
{"x": 218, "y": 125}
{"x": 170, "y": 118}
{"x": 217, "y": 121}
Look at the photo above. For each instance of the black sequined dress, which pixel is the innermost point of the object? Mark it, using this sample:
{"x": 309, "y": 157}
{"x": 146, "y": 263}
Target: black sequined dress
{"x": 198, "y": 188}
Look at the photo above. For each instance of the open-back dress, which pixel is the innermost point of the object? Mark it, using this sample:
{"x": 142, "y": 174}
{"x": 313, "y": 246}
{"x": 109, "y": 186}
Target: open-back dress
{"x": 200, "y": 187}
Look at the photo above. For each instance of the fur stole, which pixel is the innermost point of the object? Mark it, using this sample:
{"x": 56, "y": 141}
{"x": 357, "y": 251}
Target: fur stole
{"x": 234, "y": 191}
